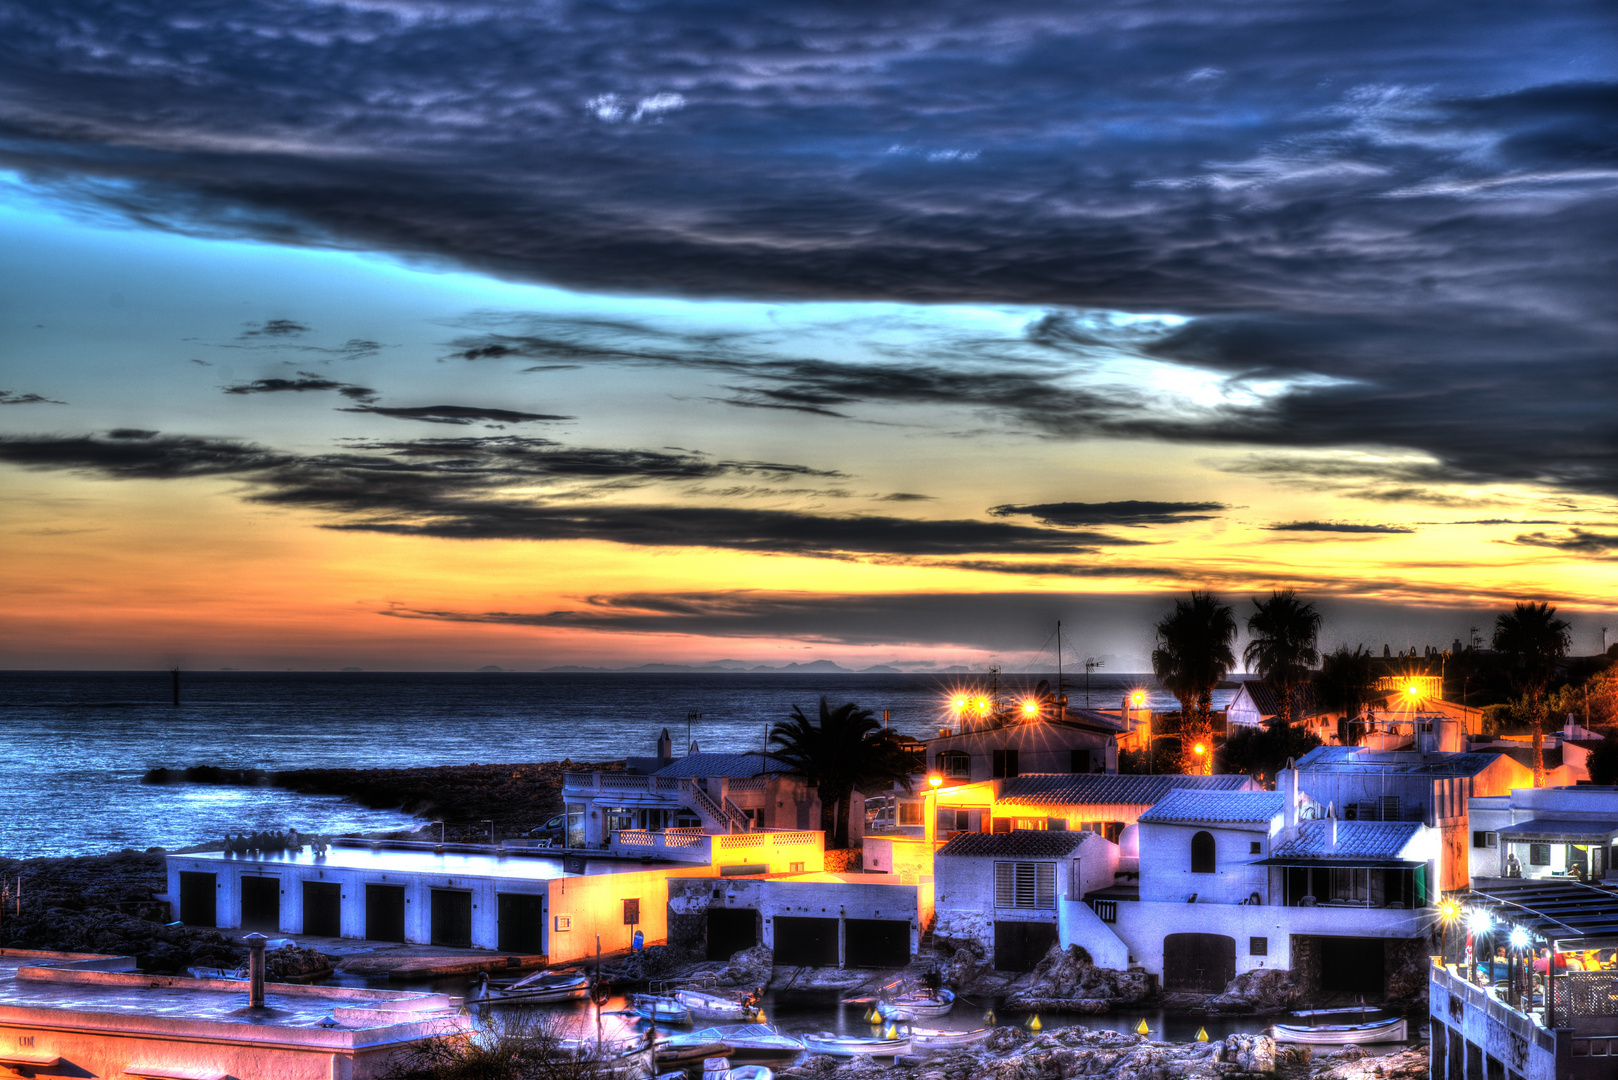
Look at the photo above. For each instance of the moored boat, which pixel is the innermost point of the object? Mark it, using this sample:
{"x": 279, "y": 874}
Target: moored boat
{"x": 917, "y": 1005}
{"x": 755, "y": 1042}
{"x": 707, "y": 1006}
{"x": 660, "y": 1010}
{"x": 683, "y": 1049}
{"x": 1379, "y": 1030}
{"x": 923, "y": 1040}
{"x": 835, "y": 1045}
{"x": 544, "y": 986}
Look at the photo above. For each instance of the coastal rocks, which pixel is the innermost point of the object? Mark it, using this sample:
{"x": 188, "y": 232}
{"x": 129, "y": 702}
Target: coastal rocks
{"x": 1409, "y": 968}
{"x": 1408, "y": 1064}
{"x": 1249, "y": 1053}
{"x": 644, "y": 965}
{"x": 1264, "y": 990}
{"x": 1066, "y": 981}
{"x": 293, "y": 962}
{"x": 750, "y": 968}
{"x": 963, "y": 966}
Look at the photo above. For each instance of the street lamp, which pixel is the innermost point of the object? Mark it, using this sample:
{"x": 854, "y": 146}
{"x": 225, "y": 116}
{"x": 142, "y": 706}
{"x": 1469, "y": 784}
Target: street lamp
{"x": 930, "y": 808}
{"x": 1478, "y": 924}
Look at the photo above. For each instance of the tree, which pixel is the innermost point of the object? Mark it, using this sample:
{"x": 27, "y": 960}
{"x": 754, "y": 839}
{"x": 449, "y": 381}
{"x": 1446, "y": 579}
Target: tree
{"x": 845, "y": 751}
{"x": 1346, "y": 684}
{"x": 1261, "y": 752}
{"x": 1282, "y": 650}
{"x": 519, "y": 1045}
{"x": 1193, "y": 653}
{"x": 1531, "y": 639}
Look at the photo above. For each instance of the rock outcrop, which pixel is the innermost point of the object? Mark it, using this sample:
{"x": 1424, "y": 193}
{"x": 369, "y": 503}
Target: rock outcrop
{"x": 1066, "y": 981}
{"x": 750, "y": 968}
{"x": 644, "y": 965}
{"x": 1264, "y": 990}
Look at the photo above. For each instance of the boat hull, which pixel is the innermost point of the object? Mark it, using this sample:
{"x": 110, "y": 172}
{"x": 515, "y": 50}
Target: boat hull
{"x": 1395, "y": 1030}
{"x": 835, "y": 1045}
{"x": 930, "y": 1039}
{"x": 713, "y": 1006}
{"x": 917, "y": 1007}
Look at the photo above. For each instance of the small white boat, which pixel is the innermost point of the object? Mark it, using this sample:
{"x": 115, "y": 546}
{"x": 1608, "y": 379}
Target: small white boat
{"x": 835, "y": 1045}
{"x": 755, "y": 1042}
{"x": 924, "y": 1040}
{"x": 216, "y": 973}
{"x": 1384, "y": 1029}
{"x": 660, "y": 1010}
{"x": 624, "y": 1059}
{"x": 917, "y": 1005}
{"x": 544, "y": 986}
{"x": 705, "y": 1006}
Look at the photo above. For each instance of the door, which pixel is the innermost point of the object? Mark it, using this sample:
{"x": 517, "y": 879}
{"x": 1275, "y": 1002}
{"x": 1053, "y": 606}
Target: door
{"x": 385, "y": 912}
{"x": 805, "y": 942}
{"x": 452, "y": 918}
{"x": 522, "y": 923}
{"x": 1198, "y": 963}
{"x": 1020, "y": 946}
{"x": 261, "y": 904}
{"x": 876, "y": 943}
{"x": 323, "y": 909}
{"x": 199, "y": 898}
{"x": 1352, "y": 966}
{"x": 730, "y": 930}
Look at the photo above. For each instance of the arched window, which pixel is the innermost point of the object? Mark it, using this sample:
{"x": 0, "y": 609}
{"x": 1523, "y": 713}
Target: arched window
{"x": 1202, "y": 853}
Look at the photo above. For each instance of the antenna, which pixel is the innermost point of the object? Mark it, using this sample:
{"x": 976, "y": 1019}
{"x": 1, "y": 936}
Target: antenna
{"x": 1059, "y": 655}
{"x": 1090, "y": 664}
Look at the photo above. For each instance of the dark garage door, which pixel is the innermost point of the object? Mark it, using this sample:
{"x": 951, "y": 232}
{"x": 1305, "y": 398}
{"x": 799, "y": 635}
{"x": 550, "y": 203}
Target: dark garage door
{"x": 261, "y": 904}
{"x": 452, "y": 918}
{"x": 323, "y": 908}
{"x": 199, "y": 899}
{"x": 1198, "y": 963}
{"x": 522, "y": 922}
{"x": 878, "y": 943}
{"x": 730, "y": 930}
{"x": 1019, "y": 946}
{"x": 802, "y": 941}
{"x": 385, "y": 912}
{"x": 1352, "y": 965}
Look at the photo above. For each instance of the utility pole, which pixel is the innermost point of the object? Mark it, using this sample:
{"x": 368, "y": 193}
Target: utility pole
{"x": 1090, "y": 664}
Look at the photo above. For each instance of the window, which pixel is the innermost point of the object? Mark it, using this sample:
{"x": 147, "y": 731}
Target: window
{"x": 1255, "y": 848}
{"x": 1539, "y": 854}
{"x": 564, "y": 923}
{"x": 631, "y": 912}
{"x": 954, "y": 763}
{"x": 1484, "y": 839}
{"x": 796, "y": 868}
{"x": 1005, "y": 763}
{"x": 1258, "y": 946}
{"x": 910, "y": 813}
{"x": 1202, "y": 853}
{"x": 1078, "y": 761}
{"x": 1025, "y": 885}
{"x": 1056, "y": 824}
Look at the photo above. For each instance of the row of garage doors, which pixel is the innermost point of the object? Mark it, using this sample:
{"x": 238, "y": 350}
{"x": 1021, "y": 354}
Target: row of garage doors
{"x": 521, "y": 917}
{"x": 802, "y": 941}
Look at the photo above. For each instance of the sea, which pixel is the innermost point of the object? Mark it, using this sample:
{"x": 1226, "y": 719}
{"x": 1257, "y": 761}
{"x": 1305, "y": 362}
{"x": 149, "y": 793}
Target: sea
{"x": 75, "y": 744}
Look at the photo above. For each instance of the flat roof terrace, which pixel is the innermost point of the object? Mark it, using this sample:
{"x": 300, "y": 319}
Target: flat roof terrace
{"x": 519, "y": 865}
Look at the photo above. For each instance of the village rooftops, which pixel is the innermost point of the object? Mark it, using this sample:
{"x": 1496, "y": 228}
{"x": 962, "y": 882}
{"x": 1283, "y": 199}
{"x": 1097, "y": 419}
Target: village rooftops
{"x": 1106, "y": 789}
{"x": 1018, "y": 844}
{"x": 514, "y": 865}
{"x": 1361, "y": 842}
{"x": 1348, "y": 759}
{"x": 1202, "y": 807}
{"x": 1561, "y": 831}
{"x": 730, "y": 766}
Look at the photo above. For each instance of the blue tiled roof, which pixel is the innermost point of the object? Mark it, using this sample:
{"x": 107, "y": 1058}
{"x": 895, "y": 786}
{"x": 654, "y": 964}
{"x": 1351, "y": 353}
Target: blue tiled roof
{"x": 1018, "y": 844}
{"x": 1216, "y": 807}
{"x": 1355, "y": 840}
{"x": 1352, "y": 759}
{"x": 730, "y": 766}
{"x": 1063, "y": 789}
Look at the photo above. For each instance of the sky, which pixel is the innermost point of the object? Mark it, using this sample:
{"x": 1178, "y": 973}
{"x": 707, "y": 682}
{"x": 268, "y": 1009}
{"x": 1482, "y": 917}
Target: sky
{"x": 434, "y": 336}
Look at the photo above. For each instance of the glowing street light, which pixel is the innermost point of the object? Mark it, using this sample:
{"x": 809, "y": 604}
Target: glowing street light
{"x": 960, "y": 703}
{"x": 1480, "y": 922}
{"x": 1138, "y": 699}
{"x": 1449, "y": 910}
{"x": 935, "y": 780}
{"x": 1412, "y": 691}
{"x": 1518, "y": 937}
{"x": 1030, "y": 709}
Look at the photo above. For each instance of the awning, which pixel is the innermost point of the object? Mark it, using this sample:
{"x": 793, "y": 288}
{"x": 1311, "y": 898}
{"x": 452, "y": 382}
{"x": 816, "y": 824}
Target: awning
{"x": 1559, "y": 910}
{"x": 1560, "y": 831}
{"x": 1364, "y": 864}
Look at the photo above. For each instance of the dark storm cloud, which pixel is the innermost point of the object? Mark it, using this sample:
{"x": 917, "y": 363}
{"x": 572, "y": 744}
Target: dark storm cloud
{"x": 455, "y": 414}
{"x": 458, "y": 488}
{"x": 1126, "y": 512}
{"x": 1335, "y": 527}
{"x": 1414, "y": 203}
{"x": 275, "y": 328}
{"x": 306, "y": 381}
{"x": 1574, "y": 542}
{"x": 11, "y": 397}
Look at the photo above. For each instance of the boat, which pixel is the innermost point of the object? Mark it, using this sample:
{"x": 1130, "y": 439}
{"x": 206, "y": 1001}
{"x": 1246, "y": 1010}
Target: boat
{"x": 835, "y": 1045}
{"x": 542, "y": 987}
{"x": 622, "y": 1059}
{"x": 685, "y": 1048}
{"x": 705, "y": 1006}
{"x": 755, "y": 1042}
{"x": 923, "y": 1040}
{"x": 719, "y": 1068}
{"x": 1384, "y": 1029}
{"x": 659, "y": 1010}
{"x": 234, "y": 974}
{"x": 917, "y": 1005}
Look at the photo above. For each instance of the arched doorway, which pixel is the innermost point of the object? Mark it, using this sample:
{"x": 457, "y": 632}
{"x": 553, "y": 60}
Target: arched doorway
{"x": 1198, "y": 963}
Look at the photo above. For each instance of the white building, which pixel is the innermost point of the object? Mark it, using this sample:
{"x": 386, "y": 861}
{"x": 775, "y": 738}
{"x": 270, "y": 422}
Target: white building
{"x": 1552, "y": 832}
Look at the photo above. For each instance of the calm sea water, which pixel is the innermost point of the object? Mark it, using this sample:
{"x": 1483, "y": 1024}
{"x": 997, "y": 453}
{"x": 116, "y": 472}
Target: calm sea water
{"x": 76, "y": 743}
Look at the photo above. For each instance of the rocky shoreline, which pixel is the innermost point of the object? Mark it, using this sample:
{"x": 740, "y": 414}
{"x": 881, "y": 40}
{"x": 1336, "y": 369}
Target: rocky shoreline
{"x": 517, "y": 798}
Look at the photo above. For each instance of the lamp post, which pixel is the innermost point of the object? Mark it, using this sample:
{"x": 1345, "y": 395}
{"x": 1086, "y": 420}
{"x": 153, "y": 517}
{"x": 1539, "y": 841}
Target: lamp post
{"x": 1478, "y": 925}
{"x": 930, "y": 808}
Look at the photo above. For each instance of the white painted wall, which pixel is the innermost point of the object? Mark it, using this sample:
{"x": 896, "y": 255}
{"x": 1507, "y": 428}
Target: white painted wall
{"x": 1165, "y": 865}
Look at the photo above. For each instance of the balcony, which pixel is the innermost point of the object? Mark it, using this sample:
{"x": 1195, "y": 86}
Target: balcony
{"x": 779, "y": 851}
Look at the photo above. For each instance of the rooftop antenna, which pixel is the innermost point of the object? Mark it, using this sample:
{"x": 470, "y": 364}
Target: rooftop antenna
{"x": 689, "y": 717}
{"x": 1058, "y": 657}
{"x": 1090, "y": 664}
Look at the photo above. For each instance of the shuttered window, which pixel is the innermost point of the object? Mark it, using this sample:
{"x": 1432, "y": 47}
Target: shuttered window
{"x": 1025, "y": 885}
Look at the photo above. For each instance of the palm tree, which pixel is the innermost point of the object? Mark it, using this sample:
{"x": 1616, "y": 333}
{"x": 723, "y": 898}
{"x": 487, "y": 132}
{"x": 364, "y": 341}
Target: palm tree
{"x": 1193, "y": 653}
{"x": 1532, "y": 639}
{"x": 845, "y": 751}
{"x": 1346, "y": 683}
{"x": 1282, "y": 651}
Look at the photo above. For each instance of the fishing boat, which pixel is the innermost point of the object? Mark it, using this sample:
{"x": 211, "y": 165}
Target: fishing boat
{"x": 709, "y": 1006}
{"x": 1384, "y": 1029}
{"x": 917, "y": 1005}
{"x": 659, "y": 1009}
{"x": 755, "y": 1042}
{"x": 835, "y": 1045}
{"x": 683, "y": 1049}
{"x": 925, "y": 1040}
{"x": 622, "y": 1059}
{"x": 542, "y": 987}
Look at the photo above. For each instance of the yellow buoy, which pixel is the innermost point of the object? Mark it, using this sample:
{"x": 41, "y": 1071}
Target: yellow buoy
{"x": 870, "y": 1015}
{"x": 1142, "y": 1029}
{"x": 1202, "y": 1034}
{"x": 760, "y": 1017}
{"x": 892, "y": 1032}
{"x": 1034, "y": 1024}
{"x": 989, "y": 1018}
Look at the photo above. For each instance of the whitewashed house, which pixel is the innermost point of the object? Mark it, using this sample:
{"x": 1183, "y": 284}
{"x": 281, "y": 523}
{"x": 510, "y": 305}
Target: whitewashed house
{"x": 1552, "y": 832}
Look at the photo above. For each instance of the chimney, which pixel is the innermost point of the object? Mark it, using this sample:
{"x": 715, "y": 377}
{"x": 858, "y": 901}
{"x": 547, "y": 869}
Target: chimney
{"x": 1331, "y": 827}
{"x": 255, "y": 970}
{"x": 665, "y": 746}
{"x": 1286, "y": 782}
